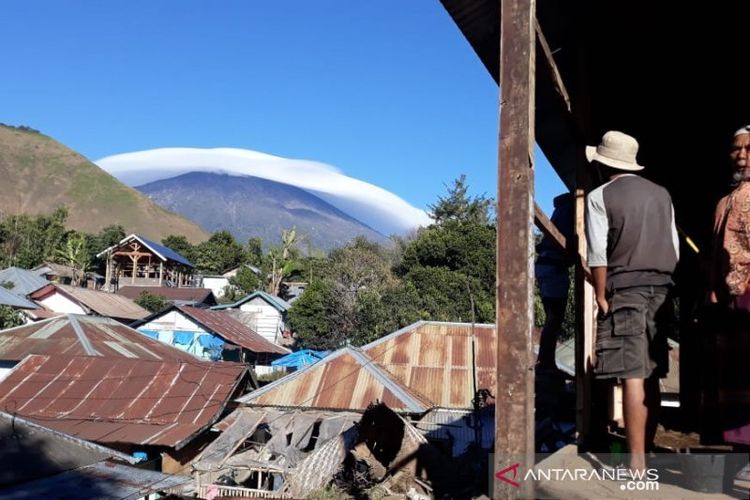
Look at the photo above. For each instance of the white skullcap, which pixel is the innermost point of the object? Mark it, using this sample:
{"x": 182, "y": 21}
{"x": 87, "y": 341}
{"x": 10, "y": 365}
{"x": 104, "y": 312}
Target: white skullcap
{"x": 743, "y": 130}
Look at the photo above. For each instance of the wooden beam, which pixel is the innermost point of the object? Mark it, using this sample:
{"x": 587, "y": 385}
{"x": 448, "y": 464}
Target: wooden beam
{"x": 557, "y": 80}
{"x": 545, "y": 225}
{"x": 514, "y": 408}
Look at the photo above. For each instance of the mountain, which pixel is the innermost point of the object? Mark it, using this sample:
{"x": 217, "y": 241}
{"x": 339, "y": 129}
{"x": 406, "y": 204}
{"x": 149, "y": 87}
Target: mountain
{"x": 250, "y": 206}
{"x": 39, "y": 174}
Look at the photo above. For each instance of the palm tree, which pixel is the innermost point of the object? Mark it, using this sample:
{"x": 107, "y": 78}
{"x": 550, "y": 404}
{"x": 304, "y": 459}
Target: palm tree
{"x": 75, "y": 254}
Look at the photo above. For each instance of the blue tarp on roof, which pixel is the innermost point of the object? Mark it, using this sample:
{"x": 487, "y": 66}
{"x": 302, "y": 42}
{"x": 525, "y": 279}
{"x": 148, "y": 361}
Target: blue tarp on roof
{"x": 165, "y": 251}
{"x": 301, "y": 358}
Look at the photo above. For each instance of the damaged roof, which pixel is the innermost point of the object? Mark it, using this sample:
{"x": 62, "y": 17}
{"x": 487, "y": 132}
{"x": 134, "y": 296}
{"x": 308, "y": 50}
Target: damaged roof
{"x": 345, "y": 380}
{"x": 185, "y": 295}
{"x": 74, "y": 334}
{"x": 440, "y": 360}
{"x": 121, "y": 400}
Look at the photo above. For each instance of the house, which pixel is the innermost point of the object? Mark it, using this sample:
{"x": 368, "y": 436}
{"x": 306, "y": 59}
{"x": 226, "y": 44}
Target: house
{"x": 21, "y": 282}
{"x": 56, "y": 273}
{"x": 82, "y": 336}
{"x": 38, "y": 462}
{"x": 136, "y": 260}
{"x": 438, "y": 375}
{"x": 157, "y": 408}
{"x": 197, "y": 297}
{"x": 74, "y": 300}
{"x": 211, "y": 334}
{"x": 261, "y": 311}
{"x": 219, "y": 283}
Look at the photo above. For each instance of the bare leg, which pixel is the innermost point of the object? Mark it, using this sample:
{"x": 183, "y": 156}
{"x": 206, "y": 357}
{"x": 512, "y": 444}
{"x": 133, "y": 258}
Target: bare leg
{"x": 636, "y": 414}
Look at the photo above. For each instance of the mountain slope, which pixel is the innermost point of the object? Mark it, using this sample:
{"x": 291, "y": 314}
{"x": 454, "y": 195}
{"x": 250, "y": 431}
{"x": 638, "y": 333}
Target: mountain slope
{"x": 251, "y": 206}
{"x": 39, "y": 174}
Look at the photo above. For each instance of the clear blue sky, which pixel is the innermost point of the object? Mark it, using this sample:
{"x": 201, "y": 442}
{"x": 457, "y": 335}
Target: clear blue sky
{"x": 388, "y": 91}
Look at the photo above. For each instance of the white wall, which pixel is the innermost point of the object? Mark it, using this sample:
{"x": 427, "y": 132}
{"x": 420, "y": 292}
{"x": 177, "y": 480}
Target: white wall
{"x": 267, "y": 319}
{"x": 216, "y": 284}
{"x": 61, "y": 304}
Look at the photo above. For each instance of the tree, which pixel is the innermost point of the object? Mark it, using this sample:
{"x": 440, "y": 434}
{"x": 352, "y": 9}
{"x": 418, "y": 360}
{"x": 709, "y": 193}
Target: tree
{"x": 310, "y": 317}
{"x": 75, "y": 254}
{"x": 254, "y": 251}
{"x": 219, "y": 253}
{"x": 151, "y": 302}
{"x": 460, "y": 207}
{"x": 181, "y": 245}
{"x": 283, "y": 260}
{"x": 10, "y": 317}
{"x": 27, "y": 241}
{"x": 245, "y": 281}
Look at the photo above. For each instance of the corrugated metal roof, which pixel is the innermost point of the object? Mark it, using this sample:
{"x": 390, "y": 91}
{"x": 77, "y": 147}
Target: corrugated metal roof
{"x": 31, "y": 451}
{"x": 120, "y": 400}
{"x": 100, "y": 480}
{"x": 78, "y": 335}
{"x": 54, "y": 269}
{"x": 277, "y": 302}
{"x": 165, "y": 252}
{"x": 345, "y": 380}
{"x": 437, "y": 360}
{"x": 24, "y": 281}
{"x": 8, "y": 298}
{"x": 101, "y": 303}
{"x": 195, "y": 295}
{"x": 225, "y": 326}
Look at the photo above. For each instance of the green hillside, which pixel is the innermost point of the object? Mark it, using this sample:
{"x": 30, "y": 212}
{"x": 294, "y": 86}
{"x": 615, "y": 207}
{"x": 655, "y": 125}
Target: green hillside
{"x": 38, "y": 174}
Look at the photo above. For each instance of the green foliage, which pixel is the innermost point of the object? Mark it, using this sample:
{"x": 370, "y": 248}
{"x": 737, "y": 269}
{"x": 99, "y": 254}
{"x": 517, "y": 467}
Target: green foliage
{"x": 75, "y": 254}
{"x": 27, "y": 241}
{"x": 10, "y": 317}
{"x": 254, "y": 252}
{"x": 181, "y": 245}
{"x": 151, "y": 302}
{"x": 459, "y": 207}
{"x": 220, "y": 253}
{"x": 245, "y": 281}
{"x": 311, "y": 317}
{"x": 8, "y": 285}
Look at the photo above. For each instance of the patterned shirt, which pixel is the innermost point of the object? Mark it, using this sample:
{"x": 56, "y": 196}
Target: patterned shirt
{"x": 732, "y": 228}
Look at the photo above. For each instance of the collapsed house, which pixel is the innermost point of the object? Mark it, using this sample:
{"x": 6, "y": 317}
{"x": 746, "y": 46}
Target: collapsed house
{"x": 435, "y": 378}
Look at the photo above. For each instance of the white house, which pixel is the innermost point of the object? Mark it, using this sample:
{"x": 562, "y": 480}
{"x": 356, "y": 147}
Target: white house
{"x": 263, "y": 312}
{"x": 212, "y": 335}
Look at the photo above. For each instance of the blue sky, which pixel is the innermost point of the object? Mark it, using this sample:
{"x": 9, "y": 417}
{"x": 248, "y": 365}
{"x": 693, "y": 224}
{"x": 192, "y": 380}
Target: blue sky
{"x": 388, "y": 91}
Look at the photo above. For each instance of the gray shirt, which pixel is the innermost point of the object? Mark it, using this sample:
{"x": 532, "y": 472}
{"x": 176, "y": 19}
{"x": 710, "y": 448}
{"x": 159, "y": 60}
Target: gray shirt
{"x": 630, "y": 229}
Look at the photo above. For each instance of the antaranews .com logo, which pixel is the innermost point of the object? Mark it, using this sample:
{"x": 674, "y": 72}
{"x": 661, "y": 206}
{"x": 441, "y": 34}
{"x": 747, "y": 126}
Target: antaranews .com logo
{"x": 643, "y": 480}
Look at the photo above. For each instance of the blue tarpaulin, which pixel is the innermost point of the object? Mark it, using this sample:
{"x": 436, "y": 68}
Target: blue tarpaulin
{"x": 183, "y": 338}
{"x": 210, "y": 342}
{"x": 150, "y": 333}
{"x": 300, "y": 359}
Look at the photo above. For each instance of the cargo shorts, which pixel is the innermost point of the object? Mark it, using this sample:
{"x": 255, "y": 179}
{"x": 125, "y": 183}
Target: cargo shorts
{"x": 629, "y": 343}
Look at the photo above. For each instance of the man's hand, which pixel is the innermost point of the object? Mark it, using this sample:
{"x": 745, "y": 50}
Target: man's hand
{"x": 601, "y": 301}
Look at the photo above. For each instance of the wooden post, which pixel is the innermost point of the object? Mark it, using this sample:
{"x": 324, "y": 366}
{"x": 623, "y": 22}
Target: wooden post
{"x": 514, "y": 409}
{"x": 161, "y": 271}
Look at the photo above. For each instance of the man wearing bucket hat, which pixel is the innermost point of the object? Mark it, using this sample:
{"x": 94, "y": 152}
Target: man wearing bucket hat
{"x": 632, "y": 252}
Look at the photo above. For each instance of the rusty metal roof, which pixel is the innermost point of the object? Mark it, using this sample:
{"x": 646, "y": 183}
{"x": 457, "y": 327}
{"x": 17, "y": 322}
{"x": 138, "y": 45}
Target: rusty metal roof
{"x": 436, "y": 359}
{"x": 225, "y": 326}
{"x": 74, "y": 334}
{"x": 345, "y": 380}
{"x": 120, "y": 400}
{"x": 101, "y": 303}
{"x": 192, "y": 295}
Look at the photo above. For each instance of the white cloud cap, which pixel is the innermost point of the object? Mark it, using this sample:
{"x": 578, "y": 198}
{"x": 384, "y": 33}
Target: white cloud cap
{"x": 376, "y": 207}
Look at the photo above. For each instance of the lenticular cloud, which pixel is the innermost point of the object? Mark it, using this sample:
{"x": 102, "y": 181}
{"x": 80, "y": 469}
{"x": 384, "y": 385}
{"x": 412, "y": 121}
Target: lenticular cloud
{"x": 376, "y": 207}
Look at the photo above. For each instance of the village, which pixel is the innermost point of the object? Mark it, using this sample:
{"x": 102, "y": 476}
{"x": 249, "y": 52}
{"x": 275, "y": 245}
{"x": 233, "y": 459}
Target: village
{"x": 194, "y": 365}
